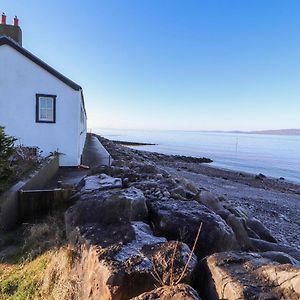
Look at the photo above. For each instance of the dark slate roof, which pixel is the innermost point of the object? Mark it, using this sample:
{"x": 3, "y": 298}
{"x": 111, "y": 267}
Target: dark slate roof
{"x": 7, "y": 41}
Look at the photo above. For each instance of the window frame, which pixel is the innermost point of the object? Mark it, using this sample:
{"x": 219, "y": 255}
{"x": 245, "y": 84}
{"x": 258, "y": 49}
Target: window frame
{"x": 37, "y": 110}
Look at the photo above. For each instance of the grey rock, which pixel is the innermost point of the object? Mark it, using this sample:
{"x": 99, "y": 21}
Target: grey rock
{"x": 166, "y": 194}
{"x": 241, "y": 233}
{"x": 223, "y": 213}
{"x": 238, "y": 275}
{"x": 163, "y": 172}
{"x": 118, "y": 261}
{"x": 107, "y": 208}
{"x": 211, "y": 201}
{"x": 121, "y": 162}
{"x": 180, "y": 220}
{"x": 143, "y": 168}
{"x": 178, "y": 191}
{"x": 264, "y": 246}
{"x": 159, "y": 176}
{"x": 100, "y": 182}
{"x": 251, "y": 233}
{"x": 157, "y": 193}
{"x": 146, "y": 184}
{"x": 177, "y": 292}
{"x": 148, "y": 169}
{"x": 116, "y": 171}
{"x": 125, "y": 182}
{"x": 238, "y": 211}
{"x": 281, "y": 258}
{"x": 260, "y": 230}
{"x": 169, "y": 183}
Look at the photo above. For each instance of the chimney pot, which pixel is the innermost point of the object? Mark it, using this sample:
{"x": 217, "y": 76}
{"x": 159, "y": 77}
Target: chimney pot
{"x": 12, "y": 31}
{"x": 3, "y": 19}
{"x": 16, "y": 21}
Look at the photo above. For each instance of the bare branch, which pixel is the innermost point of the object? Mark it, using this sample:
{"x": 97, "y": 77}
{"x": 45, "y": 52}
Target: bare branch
{"x": 191, "y": 254}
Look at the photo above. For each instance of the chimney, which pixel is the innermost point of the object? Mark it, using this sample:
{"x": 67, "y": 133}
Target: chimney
{"x": 16, "y": 21}
{"x": 12, "y": 31}
{"x": 3, "y": 19}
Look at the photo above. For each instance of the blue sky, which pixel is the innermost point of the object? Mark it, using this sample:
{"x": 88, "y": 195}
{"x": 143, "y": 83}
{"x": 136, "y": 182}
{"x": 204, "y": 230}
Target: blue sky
{"x": 169, "y": 64}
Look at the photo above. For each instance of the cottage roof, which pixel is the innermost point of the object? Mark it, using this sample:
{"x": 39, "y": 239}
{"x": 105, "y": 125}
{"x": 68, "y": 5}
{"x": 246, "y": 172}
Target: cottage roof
{"x": 4, "y": 40}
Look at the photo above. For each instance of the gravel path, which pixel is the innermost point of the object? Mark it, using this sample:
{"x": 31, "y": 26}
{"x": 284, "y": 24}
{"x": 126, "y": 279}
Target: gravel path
{"x": 278, "y": 210}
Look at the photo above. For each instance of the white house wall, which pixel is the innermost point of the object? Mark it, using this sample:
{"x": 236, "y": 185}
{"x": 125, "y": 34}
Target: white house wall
{"x": 82, "y": 126}
{"x": 20, "y": 81}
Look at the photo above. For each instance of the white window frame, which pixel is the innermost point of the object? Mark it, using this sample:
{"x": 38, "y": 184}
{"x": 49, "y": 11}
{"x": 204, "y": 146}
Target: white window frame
{"x": 50, "y": 111}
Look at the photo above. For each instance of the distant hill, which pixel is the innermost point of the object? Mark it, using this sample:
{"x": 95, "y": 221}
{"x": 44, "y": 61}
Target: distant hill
{"x": 278, "y": 132}
{"x": 292, "y": 131}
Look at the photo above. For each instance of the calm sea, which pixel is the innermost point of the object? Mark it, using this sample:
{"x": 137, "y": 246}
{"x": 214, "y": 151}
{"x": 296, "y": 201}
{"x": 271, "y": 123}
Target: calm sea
{"x": 276, "y": 156}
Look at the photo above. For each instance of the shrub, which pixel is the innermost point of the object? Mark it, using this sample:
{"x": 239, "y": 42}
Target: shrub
{"x": 6, "y": 151}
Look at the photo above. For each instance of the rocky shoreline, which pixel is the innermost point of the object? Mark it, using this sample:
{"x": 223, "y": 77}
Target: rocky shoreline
{"x": 134, "y": 228}
{"x": 126, "y": 143}
{"x": 274, "y": 201}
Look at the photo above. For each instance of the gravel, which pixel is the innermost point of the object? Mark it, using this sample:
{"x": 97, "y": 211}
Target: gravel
{"x": 276, "y": 205}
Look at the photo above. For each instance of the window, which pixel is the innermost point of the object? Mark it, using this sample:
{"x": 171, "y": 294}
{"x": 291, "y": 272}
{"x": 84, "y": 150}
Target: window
{"x": 45, "y": 108}
{"x": 82, "y": 115}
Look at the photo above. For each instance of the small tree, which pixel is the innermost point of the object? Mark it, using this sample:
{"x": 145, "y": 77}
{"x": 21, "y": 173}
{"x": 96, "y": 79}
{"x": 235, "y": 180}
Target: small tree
{"x": 6, "y": 151}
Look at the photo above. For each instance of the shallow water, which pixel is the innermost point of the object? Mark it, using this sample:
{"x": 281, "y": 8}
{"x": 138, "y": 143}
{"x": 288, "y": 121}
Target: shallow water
{"x": 276, "y": 156}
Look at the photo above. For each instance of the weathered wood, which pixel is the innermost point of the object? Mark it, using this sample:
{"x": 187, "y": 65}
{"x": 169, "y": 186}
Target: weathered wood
{"x": 36, "y": 203}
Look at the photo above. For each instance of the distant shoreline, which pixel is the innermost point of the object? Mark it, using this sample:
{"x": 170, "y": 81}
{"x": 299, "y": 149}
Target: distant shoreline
{"x": 279, "y": 132}
{"x": 267, "y": 132}
{"x": 126, "y": 143}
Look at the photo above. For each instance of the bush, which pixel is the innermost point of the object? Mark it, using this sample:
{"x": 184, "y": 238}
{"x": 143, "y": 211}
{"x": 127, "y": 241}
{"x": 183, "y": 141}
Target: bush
{"x": 7, "y": 149}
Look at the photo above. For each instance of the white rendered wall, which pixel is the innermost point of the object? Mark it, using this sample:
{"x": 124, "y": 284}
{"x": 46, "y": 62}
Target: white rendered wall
{"x": 20, "y": 81}
{"x": 82, "y": 127}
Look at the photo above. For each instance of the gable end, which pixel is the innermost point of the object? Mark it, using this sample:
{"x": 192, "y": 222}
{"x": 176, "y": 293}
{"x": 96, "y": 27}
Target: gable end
{"x": 7, "y": 41}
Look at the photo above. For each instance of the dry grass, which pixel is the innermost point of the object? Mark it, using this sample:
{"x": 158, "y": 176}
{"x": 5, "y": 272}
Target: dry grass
{"x": 40, "y": 237}
{"x": 47, "y": 277}
{"x": 60, "y": 282}
{"x": 42, "y": 265}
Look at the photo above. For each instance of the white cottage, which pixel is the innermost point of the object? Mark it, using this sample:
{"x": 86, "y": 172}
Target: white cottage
{"x": 38, "y": 105}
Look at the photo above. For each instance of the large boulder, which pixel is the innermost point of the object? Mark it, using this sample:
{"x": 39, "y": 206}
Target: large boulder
{"x": 241, "y": 233}
{"x": 238, "y": 275}
{"x": 210, "y": 200}
{"x": 185, "y": 189}
{"x": 264, "y": 233}
{"x": 176, "y": 292}
{"x": 180, "y": 220}
{"x": 107, "y": 207}
{"x": 281, "y": 257}
{"x": 264, "y": 246}
{"x": 143, "y": 168}
{"x": 121, "y": 261}
{"x": 237, "y": 218}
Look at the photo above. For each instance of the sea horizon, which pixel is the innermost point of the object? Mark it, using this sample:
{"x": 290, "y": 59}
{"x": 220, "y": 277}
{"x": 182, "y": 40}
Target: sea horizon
{"x": 279, "y": 132}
